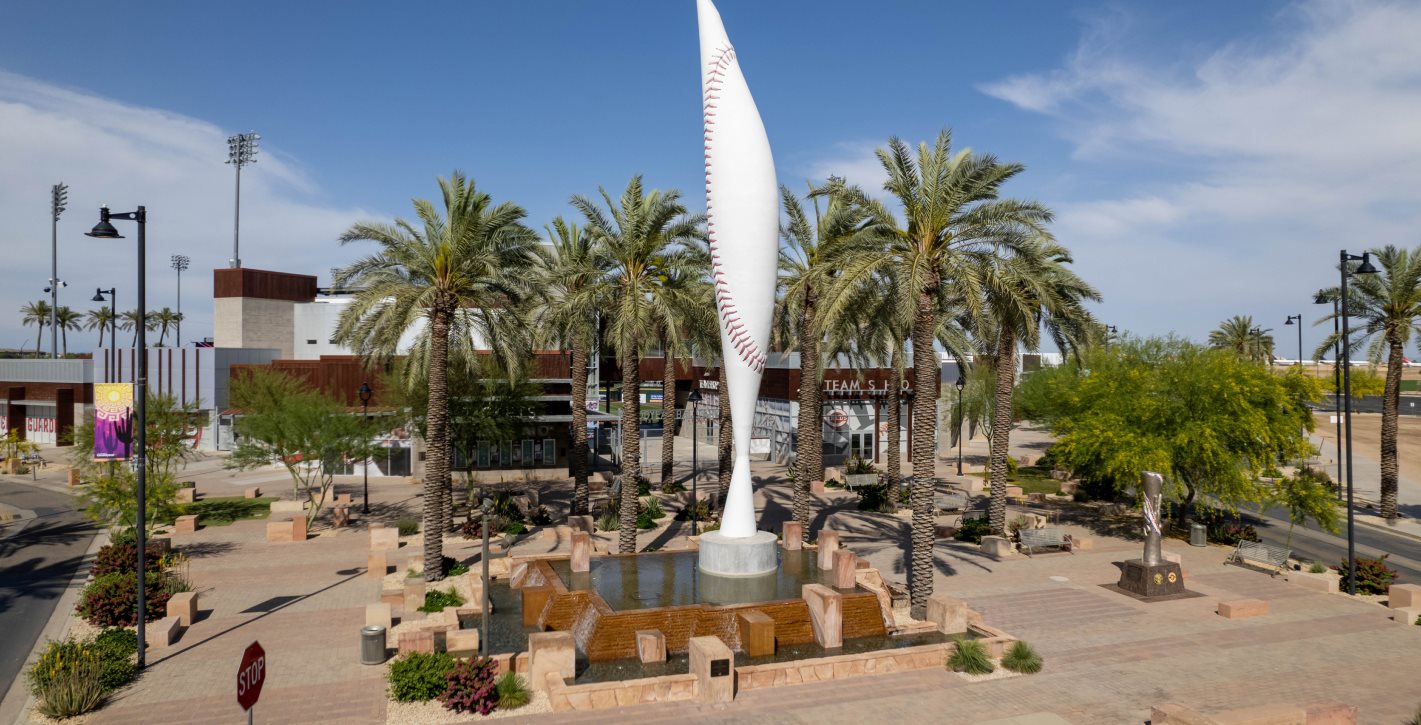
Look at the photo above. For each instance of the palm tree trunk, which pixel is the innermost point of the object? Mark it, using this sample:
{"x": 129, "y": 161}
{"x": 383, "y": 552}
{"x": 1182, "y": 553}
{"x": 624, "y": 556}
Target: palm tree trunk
{"x": 668, "y": 411}
{"x": 1391, "y": 400}
{"x": 64, "y": 336}
{"x": 925, "y": 374}
{"x": 810, "y": 425}
{"x": 631, "y": 453}
{"x": 895, "y": 414}
{"x": 101, "y": 344}
{"x": 39, "y": 335}
{"x": 582, "y": 494}
{"x": 436, "y": 467}
{"x": 724, "y": 442}
{"x": 1001, "y": 428}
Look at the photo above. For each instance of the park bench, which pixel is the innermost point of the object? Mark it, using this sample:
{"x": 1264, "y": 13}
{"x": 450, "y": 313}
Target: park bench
{"x": 1260, "y": 553}
{"x": 859, "y": 480}
{"x": 1042, "y": 538}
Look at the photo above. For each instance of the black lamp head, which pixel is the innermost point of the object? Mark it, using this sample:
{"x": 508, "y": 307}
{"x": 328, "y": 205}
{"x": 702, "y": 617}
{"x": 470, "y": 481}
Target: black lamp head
{"x": 365, "y": 392}
{"x": 103, "y": 230}
{"x": 1289, "y": 322}
{"x": 694, "y": 397}
{"x": 961, "y": 381}
{"x": 1366, "y": 266}
{"x": 99, "y": 297}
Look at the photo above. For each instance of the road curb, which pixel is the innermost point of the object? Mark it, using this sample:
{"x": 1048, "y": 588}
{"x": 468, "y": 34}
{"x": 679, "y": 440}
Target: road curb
{"x": 1389, "y": 530}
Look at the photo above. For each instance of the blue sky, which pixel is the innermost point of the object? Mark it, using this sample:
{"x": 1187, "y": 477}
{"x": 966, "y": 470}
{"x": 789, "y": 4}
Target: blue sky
{"x": 1206, "y": 159}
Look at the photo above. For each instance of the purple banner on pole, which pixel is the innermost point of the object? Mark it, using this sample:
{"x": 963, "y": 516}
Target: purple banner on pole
{"x": 113, "y": 421}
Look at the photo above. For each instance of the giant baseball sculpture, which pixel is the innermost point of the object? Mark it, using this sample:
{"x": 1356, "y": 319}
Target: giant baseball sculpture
{"x": 742, "y": 210}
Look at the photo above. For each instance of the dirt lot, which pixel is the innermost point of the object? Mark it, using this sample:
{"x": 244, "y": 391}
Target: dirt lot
{"x": 1366, "y": 439}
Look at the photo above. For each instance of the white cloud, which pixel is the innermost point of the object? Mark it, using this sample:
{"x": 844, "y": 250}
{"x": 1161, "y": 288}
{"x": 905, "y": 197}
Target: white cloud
{"x": 109, "y": 152}
{"x": 854, "y": 161}
{"x": 1279, "y": 151}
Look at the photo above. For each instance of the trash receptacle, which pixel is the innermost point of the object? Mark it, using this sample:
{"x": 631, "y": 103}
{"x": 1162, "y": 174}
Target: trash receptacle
{"x": 1198, "y": 535}
{"x": 372, "y": 645}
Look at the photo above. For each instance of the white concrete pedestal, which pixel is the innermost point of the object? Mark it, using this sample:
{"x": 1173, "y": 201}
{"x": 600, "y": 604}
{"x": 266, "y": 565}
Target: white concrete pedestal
{"x": 748, "y": 556}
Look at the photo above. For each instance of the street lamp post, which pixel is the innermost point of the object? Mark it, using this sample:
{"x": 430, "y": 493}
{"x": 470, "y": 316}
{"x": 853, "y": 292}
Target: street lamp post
{"x": 241, "y": 150}
{"x": 105, "y": 230}
{"x": 695, "y": 399}
{"x": 961, "y": 383}
{"x": 1298, "y": 318}
{"x": 180, "y": 263}
{"x": 484, "y": 637}
{"x": 1364, "y": 268}
{"x": 59, "y": 196}
{"x": 365, "y": 394}
{"x": 1322, "y": 299}
{"x": 112, "y": 292}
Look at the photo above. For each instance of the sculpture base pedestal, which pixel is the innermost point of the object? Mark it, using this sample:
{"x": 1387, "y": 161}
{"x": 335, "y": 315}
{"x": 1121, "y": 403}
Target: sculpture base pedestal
{"x": 749, "y": 556}
{"x": 1143, "y": 580}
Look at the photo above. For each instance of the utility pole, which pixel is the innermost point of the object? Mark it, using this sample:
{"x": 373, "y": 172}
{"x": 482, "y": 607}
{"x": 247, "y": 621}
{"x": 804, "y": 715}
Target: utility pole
{"x": 180, "y": 263}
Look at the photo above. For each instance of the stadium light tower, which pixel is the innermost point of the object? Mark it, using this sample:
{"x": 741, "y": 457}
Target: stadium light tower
{"x": 180, "y": 263}
{"x": 59, "y": 196}
{"x": 241, "y": 150}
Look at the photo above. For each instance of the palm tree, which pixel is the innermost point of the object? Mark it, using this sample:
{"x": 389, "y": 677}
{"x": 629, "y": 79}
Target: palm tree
{"x": 806, "y": 269}
{"x": 1240, "y": 334}
{"x": 952, "y": 215}
{"x": 67, "y": 319}
{"x": 461, "y": 272}
{"x": 37, "y": 314}
{"x": 1028, "y": 288}
{"x": 129, "y": 321}
{"x": 100, "y": 320}
{"x": 1389, "y": 304}
{"x": 688, "y": 322}
{"x": 645, "y": 235}
{"x": 165, "y": 319}
{"x": 571, "y": 280}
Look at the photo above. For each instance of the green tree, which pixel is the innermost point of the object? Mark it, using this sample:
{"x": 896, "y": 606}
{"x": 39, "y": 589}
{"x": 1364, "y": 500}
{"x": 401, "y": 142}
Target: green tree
{"x": 1389, "y": 304}
{"x": 1306, "y": 495}
{"x": 1207, "y": 420}
{"x": 112, "y": 496}
{"x": 645, "y": 235}
{"x": 165, "y": 320}
{"x": 1243, "y": 337}
{"x": 128, "y": 321}
{"x": 100, "y": 319}
{"x": 952, "y": 214}
{"x": 67, "y": 319}
{"x": 306, "y": 431}
{"x": 462, "y": 274}
{"x": 37, "y": 314}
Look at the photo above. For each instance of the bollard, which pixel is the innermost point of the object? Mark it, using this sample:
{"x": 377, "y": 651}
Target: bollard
{"x": 372, "y": 645}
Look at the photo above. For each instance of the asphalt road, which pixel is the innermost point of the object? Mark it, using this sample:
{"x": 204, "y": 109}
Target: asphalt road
{"x": 36, "y": 565}
{"x": 1311, "y": 542}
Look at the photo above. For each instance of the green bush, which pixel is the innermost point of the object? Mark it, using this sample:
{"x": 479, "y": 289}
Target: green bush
{"x": 470, "y": 687}
{"x": 436, "y": 600}
{"x": 419, "y": 676}
{"x": 223, "y": 511}
{"x": 116, "y": 647}
{"x": 513, "y": 691}
{"x": 652, "y": 508}
{"x": 58, "y": 658}
{"x": 1373, "y": 575}
{"x": 1317, "y": 568}
{"x": 450, "y": 567}
{"x": 540, "y": 516}
{"x": 972, "y": 530}
{"x": 857, "y": 466}
{"x": 970, "y": 657}
{"x": 1022, "y": 658}
{"x": 643, "y": 486}
{"x": 407, "y": 527}
{"x": 673, "y": 485}
{"x": 698, "y": 511}
{"x": 74, "y": 690}
{"x": 644, "y": 521}
{"x": 1012, "y": 467}
{"x": 119, "y": 557}
{"x": 608, "y": 521}
{"x": 112, "y": 600}
{"x": 515, "y": 528}
{"x": 877, "y": 497}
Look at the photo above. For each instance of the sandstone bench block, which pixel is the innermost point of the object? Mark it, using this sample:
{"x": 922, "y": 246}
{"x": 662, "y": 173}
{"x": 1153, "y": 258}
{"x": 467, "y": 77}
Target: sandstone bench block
{"x": 826, "y": 614}
{"x": 948, "y": 614}
{"x": 845, "y": 563}
{"x": 650, "y": 645}
{"x": 417, "y": 641}
{"x": 1406, "y": 615}
{"x": 1324, "y": 582}
{"x": 183, "y": 605}
{"x": 793, "y": 536}
{"x": 1243, "y": 608}
{"x": 187, "y": 495}
{"x": 342, "y": 499}
{"x": 384, "y": 539}
{"x": 185, "y": 524}
{"x": 1404, "y": 595}
{"x": 253, "y": 492}
{"x": 379, "y": 614}
{"x": 713, "y": 664}
{"x": 288, "y": 507}
{"x": 757, "y": 632}
{"x": 394, "y": 597}
{"x": 286, "y": 531}
{"x": 164, "y": 632}
{"x": 551, "y": 652}
{"x": 816, "y": 487}
{"x": 461, "y": 640}
{"x": 998, "y": 547}
{"x": 378, "y": 565}
{"x": 828, "y": 544}
{"x": 340, "y": 515}
{"x": 414, "y": 595}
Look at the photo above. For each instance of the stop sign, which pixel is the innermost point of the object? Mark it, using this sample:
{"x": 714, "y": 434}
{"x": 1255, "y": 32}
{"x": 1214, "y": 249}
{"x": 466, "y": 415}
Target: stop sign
{"x": 251, "y": 675}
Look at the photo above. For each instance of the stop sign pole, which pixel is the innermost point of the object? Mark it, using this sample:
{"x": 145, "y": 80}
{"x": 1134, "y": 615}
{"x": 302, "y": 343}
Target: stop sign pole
{"x": 250, "y": 677}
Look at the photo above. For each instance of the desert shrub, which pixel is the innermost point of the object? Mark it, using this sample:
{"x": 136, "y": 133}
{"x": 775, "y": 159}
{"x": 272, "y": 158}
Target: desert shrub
{"x": 972, "y": 530}
{"x": 515, "y": 528}
{"x": 1012, "y": 467}
{"x": 833, "y": 483}
{"x": 58, "y": 658}
{"x": 877, "y": 497}
{"x": 644, "y": 521}
{"x": 112, "y": 600}
{"x": 436, "y": 600}
{"x": 1015, "y": 526}
{"x": 1373, "y": 575}
{"x": 505, "y": 505}
{"x": 540, "y": 516}
{"x": 407, "y": 527}
{"x": 451, "y": 567}
{"x": 858, "y": 466}
{"x": 710, "y": 526}
{"x": 698, "y": 511}
{"x": 470, "y": 686}
{"x": 905, "y": 495}
{"x": 1022, "y": 658}
{"x": 1317, "y": 568}
{"x": 970, "y": 657}
{"x": 652, "y": 507}
{"x": 75, "y": 690}
{"x": 116, "y": 647}
{"x": 419, "y": 676}
{"x": 608, "y": 521}
{"x": 121, "y": 557}
{"x": 673, "y": 485}
{"x": 513, "y": 691}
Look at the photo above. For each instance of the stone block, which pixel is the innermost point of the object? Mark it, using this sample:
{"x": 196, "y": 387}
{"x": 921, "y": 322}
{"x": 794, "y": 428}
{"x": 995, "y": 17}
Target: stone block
{"x": 828, "y": 544}
{"x": 184, "y": 524}
{"x": 253, "y": 492}
{"x": 378, "y": 565}
{"x": 998, "y": 547}
{"x": 379, "y": 614}
{"x": 581, "y": 551}
{"x": 342, "y": 499}
{"x": 757, "y": 632}
{"x": 164, "y": 632}
{"x": 186, "y": 495}
{"x": 73, "y": 477}
{"x": 1406, "y": 615}
{"x": 845, "y": 562}
{"x": 650, "y": 645}
{"x": 183, "y": 605}
{"x": 1404, "y": 595}
{"x": 462, "y": 640}
{"x": 1015, "y": 492}
{"x": 713, "y": 664}
{"x": 286, "y": 531}
{"x": 583, "y": 523}
{"x": 826, "y": 613}
{"x": 833, "y": 474}
{"x": 503, "y": 662}
{"x": 340, "y": 516}
{"x": 420, "y": 640}
{"x": 414, "y": 594}
{"x": 816, "y": 487}
{"x": 535, "y": 599}
{"x": 947, "y": 614}
{"x": 1082, "y": 543}
{"x": 1036, "y": 497}
{"x": 298, "y": 528}
{"x": 1243, "y": 608}
{"x": 288, "y": 507}
{"x": 1327, "y": 581}
{"x": 393, "y": 597}
{"x": 974, "y": 485}
{"x": 383, "y": 539}
{"x": 554, "y": 652}
{"x": 792, "y": 536}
